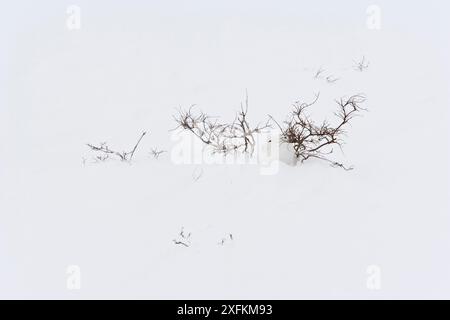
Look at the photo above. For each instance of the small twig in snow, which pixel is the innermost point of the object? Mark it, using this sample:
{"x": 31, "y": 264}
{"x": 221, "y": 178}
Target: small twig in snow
{"x": 156, "y": 153}
{"x": 319, "y": 72}
{"x": 361, "y": 65}
{"x": 197, "y": 174}
{"x": 180, "y": 242}
{"x": 107, "y": 152}
{"x": 331, "y": 79}
{"x": 134, "y": 149}
{"x": 184, "y": 238}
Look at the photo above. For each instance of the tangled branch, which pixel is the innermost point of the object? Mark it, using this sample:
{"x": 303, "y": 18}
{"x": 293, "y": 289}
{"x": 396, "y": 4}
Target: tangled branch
{"x": 222, "y": 137}
{"x": 311, "y": 140}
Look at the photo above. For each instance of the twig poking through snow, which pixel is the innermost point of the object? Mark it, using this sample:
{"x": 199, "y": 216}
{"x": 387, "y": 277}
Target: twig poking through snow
{"x": 197, "y": 174}
{"x": 135, "y": 147}
{"x": 184, "y": 238}
{"x": 107, "y": 152}
{"x": 318, "y": 73}
{"x": 223, "y": 240}
{"x": 331, "y": 79}
{"x": 361, "y": 65}
{"x": 180, "y": 242}
{"x": 156, "y": 153}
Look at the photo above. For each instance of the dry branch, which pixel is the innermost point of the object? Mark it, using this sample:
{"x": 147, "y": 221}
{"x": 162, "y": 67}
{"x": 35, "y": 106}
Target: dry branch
{"x": 106, "y": 152}
{"x": 156, "y": 152}
{"x": 311, "y": 140}
{"x": 222, "y": 137}
{"x": 185, "y": 238}
{"x": 318, "y": 73}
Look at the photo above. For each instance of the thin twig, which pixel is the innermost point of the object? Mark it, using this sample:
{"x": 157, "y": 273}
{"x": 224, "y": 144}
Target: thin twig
{"x": 137, "y": 143}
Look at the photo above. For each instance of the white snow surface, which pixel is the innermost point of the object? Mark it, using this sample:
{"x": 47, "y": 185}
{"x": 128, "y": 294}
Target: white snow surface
{"x": 308, "y": 231}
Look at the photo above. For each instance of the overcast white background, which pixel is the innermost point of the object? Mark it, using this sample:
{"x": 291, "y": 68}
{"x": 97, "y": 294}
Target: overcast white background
{"x": 306, "y": 232}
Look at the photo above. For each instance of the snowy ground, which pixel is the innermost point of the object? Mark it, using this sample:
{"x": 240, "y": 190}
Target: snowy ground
{"x": 310, "y": 231}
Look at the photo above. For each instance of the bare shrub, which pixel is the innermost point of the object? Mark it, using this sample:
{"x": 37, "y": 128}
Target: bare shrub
{"x": 222, "y": 137}
{"x": 311, "y": 140}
